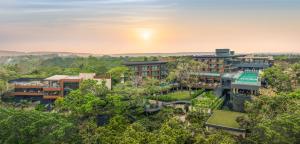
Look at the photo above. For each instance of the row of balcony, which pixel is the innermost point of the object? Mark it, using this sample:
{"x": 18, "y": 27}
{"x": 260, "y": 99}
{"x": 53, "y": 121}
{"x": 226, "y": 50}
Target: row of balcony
{"x": 45, "y": 88}
{"x": 35, "y": 94}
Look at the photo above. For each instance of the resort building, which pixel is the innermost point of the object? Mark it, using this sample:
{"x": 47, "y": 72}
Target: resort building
{"x": 51, "y": 88}
{"x": 27, "y": 89}
{"x": 223, "y": 61}
{"x": 148, "y": 69}
{"x": 243, "y": 88}
{"x": 224, "y": 65}
{"x": 251, "y": 62}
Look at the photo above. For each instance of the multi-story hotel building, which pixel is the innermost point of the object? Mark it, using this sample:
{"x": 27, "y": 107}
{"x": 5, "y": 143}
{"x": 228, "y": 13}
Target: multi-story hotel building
{"x": 148, "y": 69}
{"x": 221, "y": 62}
{"x": 224, "y": 63}
{"x": 251, "y": 62}
{"x": 51, "y": 88}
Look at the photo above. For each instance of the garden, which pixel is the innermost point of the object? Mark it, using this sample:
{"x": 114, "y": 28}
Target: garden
{"x": 207, "y": 101}
{"x": 177, "y": 95}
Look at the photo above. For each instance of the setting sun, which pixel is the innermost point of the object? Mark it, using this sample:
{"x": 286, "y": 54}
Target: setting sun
{"x": 145, "y": 34}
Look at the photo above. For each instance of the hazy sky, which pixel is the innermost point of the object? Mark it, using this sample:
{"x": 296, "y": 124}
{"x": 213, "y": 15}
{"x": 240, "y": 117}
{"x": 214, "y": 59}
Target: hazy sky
{"x": 135, "y": 26}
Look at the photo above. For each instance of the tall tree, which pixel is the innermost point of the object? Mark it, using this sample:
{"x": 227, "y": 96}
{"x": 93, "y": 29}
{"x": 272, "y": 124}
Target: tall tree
{"x": 274, "y": 119}
{"x": 3, "y": 86}
{"x": 278, "y": 79}
{"x": 19, "y": 126}
{"x": 80, "y": 104}
{"x": 117, "y": 73}
{"x": 94, "y": 87}
{"x": 186, "y": 73}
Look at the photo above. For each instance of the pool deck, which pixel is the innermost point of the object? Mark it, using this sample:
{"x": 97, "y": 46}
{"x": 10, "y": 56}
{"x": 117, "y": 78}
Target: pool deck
{"x": 247, "y": 78}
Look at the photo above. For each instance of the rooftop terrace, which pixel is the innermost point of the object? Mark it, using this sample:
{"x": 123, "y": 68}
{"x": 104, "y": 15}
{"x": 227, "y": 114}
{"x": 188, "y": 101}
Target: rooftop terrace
{"x": 224, "y": 119}
{"x": 144, "y": 62}
{"x": 27, "y": 81}
{"x": 59, "y": 77}
{"x": 247, "y": 78}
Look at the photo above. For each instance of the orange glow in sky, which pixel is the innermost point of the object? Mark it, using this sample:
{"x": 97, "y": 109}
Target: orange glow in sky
{"x": 150, "y": 26}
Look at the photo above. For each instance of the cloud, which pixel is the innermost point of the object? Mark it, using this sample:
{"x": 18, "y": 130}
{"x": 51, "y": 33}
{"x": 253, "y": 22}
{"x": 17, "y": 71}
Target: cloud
{"x": 66, "y": 11}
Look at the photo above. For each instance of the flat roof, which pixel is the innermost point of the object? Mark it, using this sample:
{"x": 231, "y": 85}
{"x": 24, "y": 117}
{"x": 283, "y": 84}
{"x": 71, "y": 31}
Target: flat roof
{"x": 229, "y": 75}
{"x": 257, "y": 57}
{"x": 25, "y": 80}
{"x": 224, "y": 118}
{"x": 59, "y": 77}
{"x": 252, "y": 64}
{"x": 212, "y": 74}
{"x": 144, "y": 62}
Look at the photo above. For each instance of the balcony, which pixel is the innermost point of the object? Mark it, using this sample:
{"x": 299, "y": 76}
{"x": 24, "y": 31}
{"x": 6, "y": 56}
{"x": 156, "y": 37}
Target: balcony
{"x": 28, "y": 85}
{"x": 27, "y": 94}
{"x": 51, "y": 97}
{"x": 52, "y": 89}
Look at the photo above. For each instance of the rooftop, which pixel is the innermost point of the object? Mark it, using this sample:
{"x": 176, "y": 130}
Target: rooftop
{"x": 59, "y": 77}
{"x": 144, "y": 62}
{"x": 25, "y": 80}
{"x": 212, "y": 74}
{"x": 224, "y": 118}
{"x": 257, "y": 57}
{"x": 252, "y": 64}
{"x": 216, "y": 56}
{"x": 229, "y": 75}
{"x": 247, "y": 78}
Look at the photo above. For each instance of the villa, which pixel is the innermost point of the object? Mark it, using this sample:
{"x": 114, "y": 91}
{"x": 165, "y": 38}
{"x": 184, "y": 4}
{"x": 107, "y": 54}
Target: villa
{"x": 51, "y": 88}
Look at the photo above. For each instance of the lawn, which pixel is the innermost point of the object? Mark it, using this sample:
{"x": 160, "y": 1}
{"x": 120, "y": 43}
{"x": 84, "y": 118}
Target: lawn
{"x": 174, "y": 96}
{"x": 224, "y": 118}
{"x": 207, "y": 100}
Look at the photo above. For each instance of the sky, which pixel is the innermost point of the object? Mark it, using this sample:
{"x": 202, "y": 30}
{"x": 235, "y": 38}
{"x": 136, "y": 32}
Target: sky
{"x": 149, "y": 26}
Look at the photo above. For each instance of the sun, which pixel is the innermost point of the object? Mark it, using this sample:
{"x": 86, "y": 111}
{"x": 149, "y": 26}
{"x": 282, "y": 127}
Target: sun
{"x": 146, "y": 34}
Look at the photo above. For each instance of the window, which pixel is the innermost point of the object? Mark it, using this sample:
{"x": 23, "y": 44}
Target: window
{"x": 144, "y": 74}
{"x": 134, "y": 68}
{"x": 145, "y": 68}
{"x": 155, "y": 67}
{"x": 155, "y": 73}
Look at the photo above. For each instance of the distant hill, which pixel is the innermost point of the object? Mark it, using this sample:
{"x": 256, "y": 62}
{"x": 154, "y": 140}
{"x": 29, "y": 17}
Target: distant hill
{"x": 16, "y": 53}
{"x": 10, "y": 53}
{"x": 162, "y": 54}
{"x": 4, "y": 53}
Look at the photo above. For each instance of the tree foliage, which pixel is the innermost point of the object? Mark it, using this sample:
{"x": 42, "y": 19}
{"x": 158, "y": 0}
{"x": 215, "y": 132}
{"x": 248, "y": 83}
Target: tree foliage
{"x": 278, "y": 79}
{"x": 275, "y": 119}
{"x": 78, "y": 103}
{"x": 19, "y": 126}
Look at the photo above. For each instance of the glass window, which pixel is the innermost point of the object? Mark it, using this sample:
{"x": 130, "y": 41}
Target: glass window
{"x": 145, "y": 68}
{"x": 134, "y": 68}
{"x": 155, "y": 73}
{"x": 144, "y": 74}
{"x": 155, "y": 67}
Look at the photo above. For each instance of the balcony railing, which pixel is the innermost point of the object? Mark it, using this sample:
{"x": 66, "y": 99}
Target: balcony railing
{"x": 207, "y": 85}
{"x": 51, "y": 97}
{"x": 28, "y": 85}
{"x": 27, "y": 94}
{"x": 52, "y": 88}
